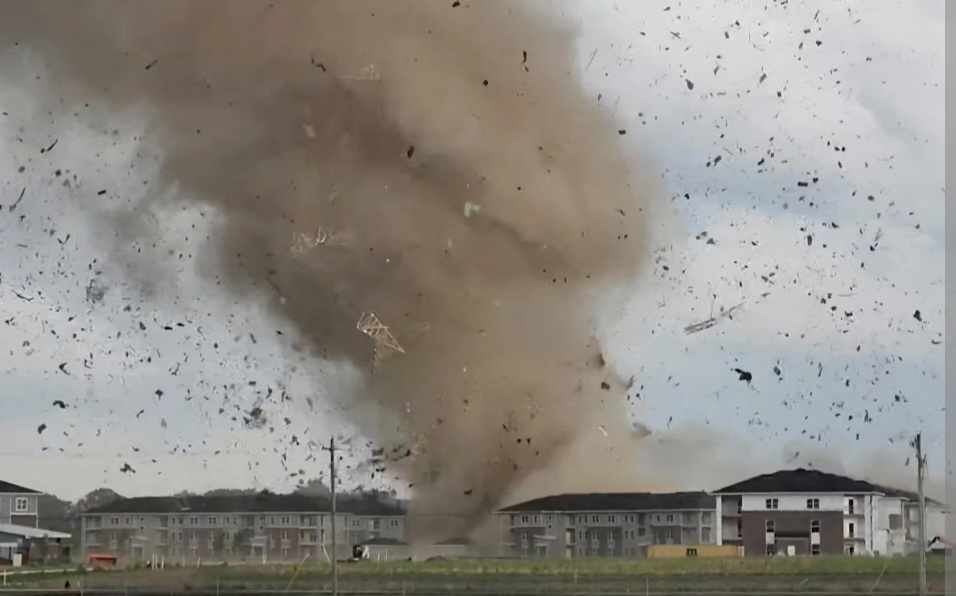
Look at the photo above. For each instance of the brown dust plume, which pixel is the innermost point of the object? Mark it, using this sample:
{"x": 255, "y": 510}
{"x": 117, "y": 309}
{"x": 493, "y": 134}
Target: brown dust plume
{"x": 434, "y": 163}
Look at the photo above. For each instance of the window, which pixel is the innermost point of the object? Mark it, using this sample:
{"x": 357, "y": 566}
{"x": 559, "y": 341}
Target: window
{"x": 851, "y": 506}
{"x": 670, "y": 517}
{"x": 813, "y": 503}
{"x": 284, "y": 535}
{"x": 128, "y": 521}
{"x": 815, "y": 526}
{"x": 705, "y": 535}
{"x": 612, "y": 519}
{"x": 772, "y": 503}
{"x": 814, "y": 549}
{"x": 740, "y": 528}
{"x": 849, "y": 549}
{"x": 595, "y": 519}
{"x": 705, "y": 518}
{"x": 851, "y": 529}
{"x": 526, "y": 519}
{"x": 213, "y": 521}
{"x": 393, "y": 523}
{"x": 771, "y": 550}
{"x": 114, "y": 521}
{"x": 770, "y": 526}
{"x": 691, "y": 552}
{"x": 193, "y": 521}
{"x": 286, "y": 520}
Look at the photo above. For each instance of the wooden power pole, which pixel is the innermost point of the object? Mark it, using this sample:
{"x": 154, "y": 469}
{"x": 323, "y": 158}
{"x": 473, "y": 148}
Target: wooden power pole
{"x": 920, "y": 475}
{"x": 332, "y": 488}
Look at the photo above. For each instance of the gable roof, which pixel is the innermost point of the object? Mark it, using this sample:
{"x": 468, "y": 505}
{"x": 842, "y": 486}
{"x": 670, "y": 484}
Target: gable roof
{"x": 9, "y": 488}
{"x": 800, "y": 480}
{"x": 617, "y": 502}
{"x": 259, "y": 503}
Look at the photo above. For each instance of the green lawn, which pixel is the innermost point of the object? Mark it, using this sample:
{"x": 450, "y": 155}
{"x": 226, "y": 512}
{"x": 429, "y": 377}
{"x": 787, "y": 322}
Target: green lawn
{"x": 833, "y": 575}
{"x": 602, "y": 567}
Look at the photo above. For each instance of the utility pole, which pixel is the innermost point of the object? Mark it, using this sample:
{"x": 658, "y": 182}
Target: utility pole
{"x": 335, "y": 556}
{"x": 921, "y": 473}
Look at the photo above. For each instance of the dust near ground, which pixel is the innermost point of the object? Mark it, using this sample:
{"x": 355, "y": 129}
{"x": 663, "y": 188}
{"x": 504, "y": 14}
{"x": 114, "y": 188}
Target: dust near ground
{"x": 434, "y": 163}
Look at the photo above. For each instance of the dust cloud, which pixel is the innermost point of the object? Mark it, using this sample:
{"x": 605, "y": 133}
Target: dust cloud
{"x": 434, "y": 163}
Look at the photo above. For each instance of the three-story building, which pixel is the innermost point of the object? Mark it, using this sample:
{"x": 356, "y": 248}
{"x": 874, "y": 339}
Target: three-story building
{"x": 605, "y": 524}
{"x": 246, "y": 527}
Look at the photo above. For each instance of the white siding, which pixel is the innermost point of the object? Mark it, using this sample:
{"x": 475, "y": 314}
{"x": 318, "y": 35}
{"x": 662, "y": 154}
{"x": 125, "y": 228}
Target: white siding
{"x": 719, "y": 522}
{"x": 793, "y": 502}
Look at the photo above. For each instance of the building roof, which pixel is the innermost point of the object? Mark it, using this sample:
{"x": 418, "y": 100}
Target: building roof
{"x": 31, "y": 533}
{"x": 261, "y": 503}
{"x": 617, "y": 502}
{"x": 800, "y": 481}
{"x": 11, "y": 488}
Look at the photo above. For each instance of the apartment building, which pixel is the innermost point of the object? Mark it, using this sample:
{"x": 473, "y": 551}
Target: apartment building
{"x": 606, "y": 524}
{"x": 810, "y": 512}
{"x": 247, "y": 527}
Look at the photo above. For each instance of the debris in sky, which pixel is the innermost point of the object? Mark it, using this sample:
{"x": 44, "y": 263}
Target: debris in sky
{"x": 743, "y": 375}
{"x": 385, "y": 342}
{"x": 712, "y": 321}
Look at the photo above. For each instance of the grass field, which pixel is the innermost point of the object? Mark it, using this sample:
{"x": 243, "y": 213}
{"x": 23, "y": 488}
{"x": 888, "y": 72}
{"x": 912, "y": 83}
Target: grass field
{"x": 836, "y": 575}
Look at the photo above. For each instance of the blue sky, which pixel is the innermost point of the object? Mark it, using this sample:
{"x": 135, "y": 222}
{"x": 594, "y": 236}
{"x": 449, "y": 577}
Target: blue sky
{"x": 844, "y": 97}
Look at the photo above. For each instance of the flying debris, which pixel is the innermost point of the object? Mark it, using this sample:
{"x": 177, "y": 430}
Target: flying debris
{"x": 385, "y": 342}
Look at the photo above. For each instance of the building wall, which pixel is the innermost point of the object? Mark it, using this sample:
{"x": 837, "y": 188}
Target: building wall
{"x": 792, "y": 528}
{"x": 231, "y": 536}
{"x": 792, "y": 502}
{"x": 540, "y": 534}
{"x": 9, "y": 510}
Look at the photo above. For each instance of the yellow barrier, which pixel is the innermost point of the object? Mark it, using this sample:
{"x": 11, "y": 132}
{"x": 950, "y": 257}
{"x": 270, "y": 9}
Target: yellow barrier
{"x": 673, "y": 551}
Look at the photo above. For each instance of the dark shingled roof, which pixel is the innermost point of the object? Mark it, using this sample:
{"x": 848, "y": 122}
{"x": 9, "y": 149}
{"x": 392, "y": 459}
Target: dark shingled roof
{"x": 10, "y": 488}
{"x": 260, "y": 503}
{"x": 617, "y": 502}
{"x": 801, "y": 481}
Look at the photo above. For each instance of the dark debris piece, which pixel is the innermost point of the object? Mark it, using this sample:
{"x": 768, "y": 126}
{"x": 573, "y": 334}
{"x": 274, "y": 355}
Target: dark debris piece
{"x": 41, "y": 428}
{"x": 743, "y": 375}
{"x": 60, "y": 404}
